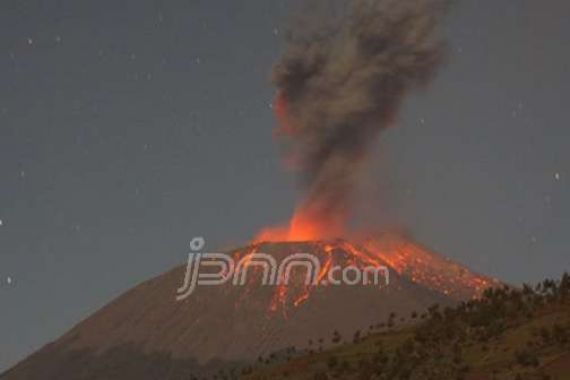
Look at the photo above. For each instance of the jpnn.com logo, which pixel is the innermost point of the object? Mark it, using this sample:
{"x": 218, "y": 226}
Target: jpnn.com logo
{"x": 214, "y": 269}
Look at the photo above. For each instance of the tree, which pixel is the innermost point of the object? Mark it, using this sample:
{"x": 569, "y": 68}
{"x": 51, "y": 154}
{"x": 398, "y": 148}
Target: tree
{"x": 336, "y": 337}
{"x": 332, "y": 362}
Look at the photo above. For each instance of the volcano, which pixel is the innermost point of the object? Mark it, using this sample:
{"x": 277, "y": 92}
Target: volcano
{"x": 146, "y": 334}
{"x": 339, "y": 85}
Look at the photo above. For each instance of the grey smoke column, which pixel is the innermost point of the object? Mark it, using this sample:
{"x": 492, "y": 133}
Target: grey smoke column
{"x": 340, "y": 85}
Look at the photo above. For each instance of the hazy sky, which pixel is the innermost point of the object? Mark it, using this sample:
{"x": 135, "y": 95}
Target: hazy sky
{"x": 127, "y": 127}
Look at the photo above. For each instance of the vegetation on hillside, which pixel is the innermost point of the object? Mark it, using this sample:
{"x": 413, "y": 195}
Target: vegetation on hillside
{"x": 509, "y": 333}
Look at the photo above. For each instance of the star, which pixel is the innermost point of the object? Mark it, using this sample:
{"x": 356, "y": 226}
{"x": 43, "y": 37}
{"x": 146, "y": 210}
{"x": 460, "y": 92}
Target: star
{"x": 1, "y": 223}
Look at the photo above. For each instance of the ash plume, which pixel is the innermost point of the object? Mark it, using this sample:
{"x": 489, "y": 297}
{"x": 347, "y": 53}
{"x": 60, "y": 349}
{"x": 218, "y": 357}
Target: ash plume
{"x": 341, "y": 84}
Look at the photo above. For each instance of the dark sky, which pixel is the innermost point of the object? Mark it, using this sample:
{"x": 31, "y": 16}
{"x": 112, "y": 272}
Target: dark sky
{"x": 127, "y": 127}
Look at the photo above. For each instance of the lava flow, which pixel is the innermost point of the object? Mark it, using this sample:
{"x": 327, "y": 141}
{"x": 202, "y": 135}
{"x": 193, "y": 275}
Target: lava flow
{"x": 330, "y": 255}
{"x": 403, "y": 257}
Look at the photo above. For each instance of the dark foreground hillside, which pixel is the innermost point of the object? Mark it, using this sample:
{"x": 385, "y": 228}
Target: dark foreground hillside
{"x": 518, "y": 334}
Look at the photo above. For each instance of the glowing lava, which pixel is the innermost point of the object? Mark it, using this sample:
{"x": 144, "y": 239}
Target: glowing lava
{"x": 332, "y": 256}
{"x": 405, "y": 259}
{"x": 304, "y": 226}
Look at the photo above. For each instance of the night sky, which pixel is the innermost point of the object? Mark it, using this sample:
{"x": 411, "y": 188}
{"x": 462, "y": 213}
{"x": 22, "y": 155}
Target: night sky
{"x": 128, "y": 127}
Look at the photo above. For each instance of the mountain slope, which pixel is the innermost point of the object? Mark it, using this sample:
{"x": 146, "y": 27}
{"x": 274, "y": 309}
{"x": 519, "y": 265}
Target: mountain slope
{"x": 146, "y": 334}
{"x": 507, "y": 335}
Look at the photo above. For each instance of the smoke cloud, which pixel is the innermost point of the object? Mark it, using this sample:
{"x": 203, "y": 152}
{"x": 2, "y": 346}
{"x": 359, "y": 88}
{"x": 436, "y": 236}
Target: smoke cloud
{"x": 343, "y": 83}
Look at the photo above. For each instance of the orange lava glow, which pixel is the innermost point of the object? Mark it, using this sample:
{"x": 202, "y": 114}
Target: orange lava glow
{"x": 302, "y": 227}
{"x": 407, "y": 259}
{"x": 427, "y": 268}
{"x": 339, "y": 253}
